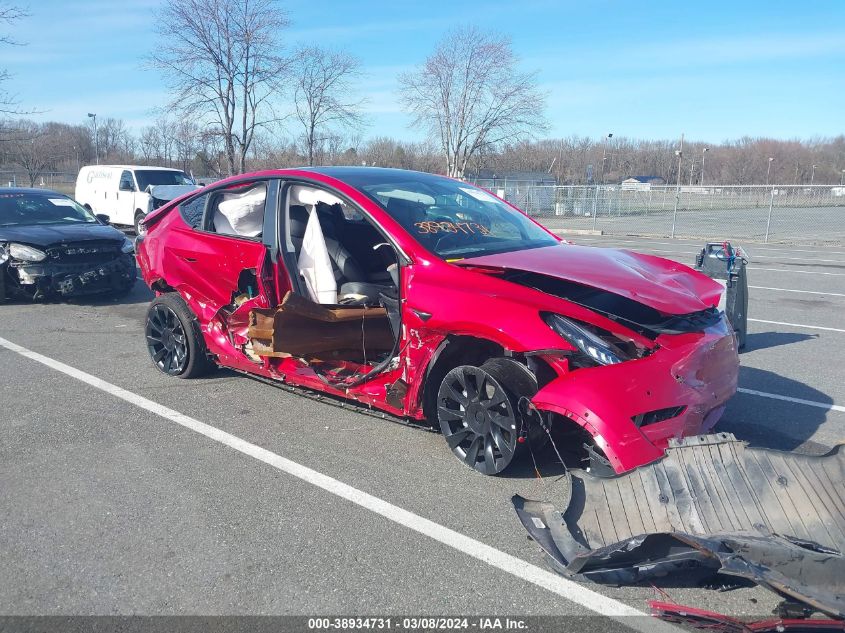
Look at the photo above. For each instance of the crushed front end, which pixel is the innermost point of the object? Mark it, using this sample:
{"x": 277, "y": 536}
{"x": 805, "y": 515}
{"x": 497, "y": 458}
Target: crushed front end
{"x": 632, "y": 408}
{"x": 67, "y": 269}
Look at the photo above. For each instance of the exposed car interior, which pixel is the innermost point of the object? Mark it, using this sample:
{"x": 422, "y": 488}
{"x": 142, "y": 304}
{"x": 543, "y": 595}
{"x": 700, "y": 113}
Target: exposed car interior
{"x": 362, "y": 265}
{"x": 345, "y": 304}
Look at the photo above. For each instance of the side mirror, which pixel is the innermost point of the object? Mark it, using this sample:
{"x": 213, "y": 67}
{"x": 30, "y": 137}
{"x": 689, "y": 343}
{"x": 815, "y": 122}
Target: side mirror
{"x": 103, "y": 218}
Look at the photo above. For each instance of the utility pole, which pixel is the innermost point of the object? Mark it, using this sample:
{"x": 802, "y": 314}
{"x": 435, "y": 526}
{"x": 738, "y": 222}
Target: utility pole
{"x": 92, "y": 115}
{"x": 768, "y": 169}
{"x": 812, "y": 175}
{"x": 701, "y": 176}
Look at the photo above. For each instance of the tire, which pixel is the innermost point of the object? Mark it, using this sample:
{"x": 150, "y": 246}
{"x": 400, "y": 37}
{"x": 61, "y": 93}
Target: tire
{"x": 138, "y": 217}
{"x": 478, "y": 417}
{"x": 174, "y": 340}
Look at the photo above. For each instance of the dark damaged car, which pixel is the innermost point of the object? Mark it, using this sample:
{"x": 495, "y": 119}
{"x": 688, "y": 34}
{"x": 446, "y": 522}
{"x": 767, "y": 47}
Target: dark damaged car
{"x": 430, "y": 299}
{"x": 52, "y": 248}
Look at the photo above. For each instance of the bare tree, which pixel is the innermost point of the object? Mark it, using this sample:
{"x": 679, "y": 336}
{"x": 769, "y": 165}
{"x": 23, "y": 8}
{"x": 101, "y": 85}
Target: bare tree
{"x": 9, "y": 14}
{"x": 222, "y": 60}
{"x": 323, "y": 95}
{"x": 33, "y": 149}
{"x": 470, "y": 96}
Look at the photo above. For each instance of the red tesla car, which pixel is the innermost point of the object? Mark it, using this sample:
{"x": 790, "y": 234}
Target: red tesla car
{"x": 433, "y": 300}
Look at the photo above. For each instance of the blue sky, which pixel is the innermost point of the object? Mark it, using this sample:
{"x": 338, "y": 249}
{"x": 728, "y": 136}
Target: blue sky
{"x": 712, "y": 70}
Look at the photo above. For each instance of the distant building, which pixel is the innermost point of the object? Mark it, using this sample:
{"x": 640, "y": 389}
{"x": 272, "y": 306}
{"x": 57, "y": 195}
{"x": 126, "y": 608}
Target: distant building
{"x": 641, "y": 183}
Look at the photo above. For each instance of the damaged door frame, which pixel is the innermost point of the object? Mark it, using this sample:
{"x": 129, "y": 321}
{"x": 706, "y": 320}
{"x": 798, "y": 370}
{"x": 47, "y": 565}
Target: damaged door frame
{"x": 276, "y": 237}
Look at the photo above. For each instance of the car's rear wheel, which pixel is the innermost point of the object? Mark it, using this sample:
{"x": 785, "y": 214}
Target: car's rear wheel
{"x": 479, "y": 419}
{"x": 174, "y": 341}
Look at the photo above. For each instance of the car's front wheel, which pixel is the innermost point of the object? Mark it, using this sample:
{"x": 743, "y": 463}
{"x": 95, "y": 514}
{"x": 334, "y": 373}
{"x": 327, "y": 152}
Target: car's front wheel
{"x": 479, "y": 419}
{"x": 139, "y": 228}
{"x": 174, "y": 341}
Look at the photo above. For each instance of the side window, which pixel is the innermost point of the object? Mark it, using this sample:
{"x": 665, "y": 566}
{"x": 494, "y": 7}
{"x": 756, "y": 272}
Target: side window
{"x": 192, "y": 211}
{"x": 237, "y": 211}
{"x": 126, "y": 183}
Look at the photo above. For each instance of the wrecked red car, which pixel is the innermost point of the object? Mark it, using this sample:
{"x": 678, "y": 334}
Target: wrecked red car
{"x": 430, "y": 299}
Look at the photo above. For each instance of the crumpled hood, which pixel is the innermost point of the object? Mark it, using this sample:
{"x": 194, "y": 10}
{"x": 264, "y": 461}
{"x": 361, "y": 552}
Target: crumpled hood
{"x": 662, "y": 284}
{"x": 170, "y": 192}
{"x": 46, "y": 235}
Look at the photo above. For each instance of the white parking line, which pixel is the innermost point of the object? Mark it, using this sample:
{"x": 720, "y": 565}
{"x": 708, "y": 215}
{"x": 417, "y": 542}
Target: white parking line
{"x": 777, "y": 396}
{"x": 808, "y": 260}
{"x": 799, "y": 272}
{"x": 809, "y": 292}
{"x": 798, "y": 325}
{"x": 517, "y": 567}
{"x": 754, "y": 246}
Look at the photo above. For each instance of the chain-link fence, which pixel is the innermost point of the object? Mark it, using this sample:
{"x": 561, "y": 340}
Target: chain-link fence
{"x": 791, "y": 214}
{"x": 61, "y": 181}
{"x": 795, "y": 214}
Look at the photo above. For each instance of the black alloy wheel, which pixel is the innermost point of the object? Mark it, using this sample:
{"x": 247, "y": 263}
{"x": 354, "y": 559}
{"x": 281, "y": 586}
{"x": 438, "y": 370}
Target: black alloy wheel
{"x": 167, "y": 341}
{"x": 478, "y": 419}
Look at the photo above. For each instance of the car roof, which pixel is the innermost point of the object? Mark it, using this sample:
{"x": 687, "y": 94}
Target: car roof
{"x": 355, "y": 174}
{"x": 35, "y": 190}
{"x": 145, "y": 167}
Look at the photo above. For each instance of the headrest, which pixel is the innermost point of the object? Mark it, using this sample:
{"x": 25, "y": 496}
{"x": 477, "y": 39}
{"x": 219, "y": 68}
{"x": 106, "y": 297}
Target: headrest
{"x": 298, "y": 218}
{"x": 404, "y": 211}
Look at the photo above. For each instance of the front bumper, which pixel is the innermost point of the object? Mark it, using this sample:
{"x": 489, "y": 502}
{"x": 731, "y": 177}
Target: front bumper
{"x": 690, "y": 375}
{"x": 50, "y": 279}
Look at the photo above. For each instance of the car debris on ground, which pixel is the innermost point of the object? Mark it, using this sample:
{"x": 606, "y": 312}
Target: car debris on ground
{"x": 710, "y": 506}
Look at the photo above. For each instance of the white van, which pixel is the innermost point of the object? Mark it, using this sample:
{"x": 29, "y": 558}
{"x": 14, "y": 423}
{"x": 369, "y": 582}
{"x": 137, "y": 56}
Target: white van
{"x": 126, "y": 193}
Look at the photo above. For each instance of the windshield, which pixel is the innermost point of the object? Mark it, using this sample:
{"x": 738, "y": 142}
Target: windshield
{"x": 147, "y": 177}
{"x": 27, "y": 209}
{"x": 454, "y": 219}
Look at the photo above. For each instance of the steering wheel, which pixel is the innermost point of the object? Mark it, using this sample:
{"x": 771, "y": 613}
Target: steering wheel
{"x": 444, "y": 239}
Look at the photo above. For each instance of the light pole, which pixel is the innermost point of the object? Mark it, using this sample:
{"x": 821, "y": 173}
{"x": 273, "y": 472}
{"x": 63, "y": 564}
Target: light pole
{"x": 812, "y": 175}
{"x": 680, "y": 154}
{"x": 92, "y": 115}
{"x": 768, "y": 169}
{"x": 601, "y": 181}
{"x": 701, "y": 175}
{"x": 604, "y": 155}
{"x": 842, "y": 178}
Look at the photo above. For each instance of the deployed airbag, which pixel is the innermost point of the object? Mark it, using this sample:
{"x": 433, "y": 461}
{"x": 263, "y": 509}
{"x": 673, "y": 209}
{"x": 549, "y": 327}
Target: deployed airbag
{"x": 315, "y": 265}
{"x": 241, "y": 213}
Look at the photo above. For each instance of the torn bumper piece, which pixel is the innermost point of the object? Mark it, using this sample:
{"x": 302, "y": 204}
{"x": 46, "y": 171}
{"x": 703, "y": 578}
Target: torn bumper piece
{"x": 710, "y": 505}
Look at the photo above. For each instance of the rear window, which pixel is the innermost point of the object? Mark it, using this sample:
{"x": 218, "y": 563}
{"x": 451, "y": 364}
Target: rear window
{"x": 192, "y": 211}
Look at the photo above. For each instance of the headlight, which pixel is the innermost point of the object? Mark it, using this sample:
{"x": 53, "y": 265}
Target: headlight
{"x": 587, "y": 342}
{"x": 26, "y": 253}
{"x": 4, "y": 253}
{"x": 128, "y": 245}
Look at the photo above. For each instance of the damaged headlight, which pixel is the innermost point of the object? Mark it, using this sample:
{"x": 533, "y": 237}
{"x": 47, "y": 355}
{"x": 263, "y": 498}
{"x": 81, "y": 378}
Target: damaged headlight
{"x": 128, "y": 246}
{"x": 26, "y": 253}
{"x": 587, "y": 342}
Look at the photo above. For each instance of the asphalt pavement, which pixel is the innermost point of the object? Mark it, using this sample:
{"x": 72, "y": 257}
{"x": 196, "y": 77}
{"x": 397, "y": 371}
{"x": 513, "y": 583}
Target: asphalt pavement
{"x": 111, "y": 506}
